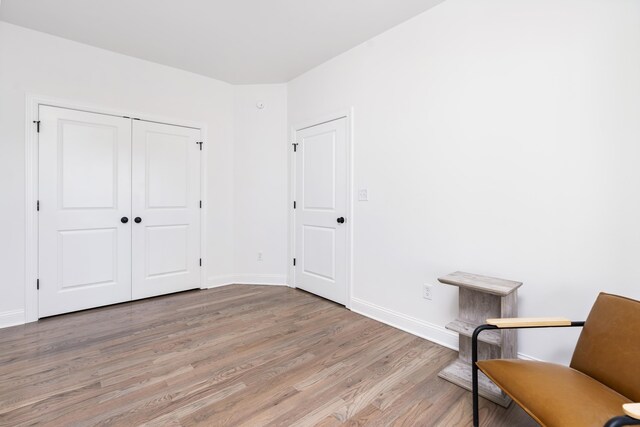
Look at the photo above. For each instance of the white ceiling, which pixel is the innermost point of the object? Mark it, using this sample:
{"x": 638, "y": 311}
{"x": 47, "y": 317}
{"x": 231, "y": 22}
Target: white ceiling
{"x": 238, "y": 41}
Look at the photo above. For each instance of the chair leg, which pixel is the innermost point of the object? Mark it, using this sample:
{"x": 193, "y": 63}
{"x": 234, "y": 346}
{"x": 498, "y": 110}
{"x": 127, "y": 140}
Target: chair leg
{"x": 476, "y": 398}
{"x": 474, "y": 372}
{"x": 474, "y": 377}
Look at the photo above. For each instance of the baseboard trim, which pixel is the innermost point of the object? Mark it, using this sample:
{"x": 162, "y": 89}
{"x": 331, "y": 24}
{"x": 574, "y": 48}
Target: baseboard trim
{"x": 429, "y": 331}
{"x": 11, "y": 318}
{"x": 246, "y": 279}
{"x": 412, "y": 325}
{"x": 217, "y": 281}
{"x": 527, "y": 357}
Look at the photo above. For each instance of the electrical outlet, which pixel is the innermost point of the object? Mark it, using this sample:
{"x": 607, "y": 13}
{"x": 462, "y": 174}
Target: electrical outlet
{"x": 363, "y": 195}
{"x": 427, "y": 292}
{"x": 260, "y": 256}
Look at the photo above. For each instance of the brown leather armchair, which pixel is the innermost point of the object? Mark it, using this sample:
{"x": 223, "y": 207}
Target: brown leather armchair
{"x": 598, "y": 387}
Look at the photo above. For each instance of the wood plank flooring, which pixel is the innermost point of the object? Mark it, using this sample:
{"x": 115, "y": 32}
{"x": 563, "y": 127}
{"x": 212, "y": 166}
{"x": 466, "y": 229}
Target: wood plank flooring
{"x": 232, "y": 356}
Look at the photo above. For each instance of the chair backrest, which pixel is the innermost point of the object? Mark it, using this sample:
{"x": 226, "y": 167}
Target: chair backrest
{"x": 608, "y": 349}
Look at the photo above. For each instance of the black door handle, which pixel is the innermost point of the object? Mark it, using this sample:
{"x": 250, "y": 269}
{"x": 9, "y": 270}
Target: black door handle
{"x": 137, "y": 220}
{"x": 124, "y": 220}
{"x": 340, "y": 220}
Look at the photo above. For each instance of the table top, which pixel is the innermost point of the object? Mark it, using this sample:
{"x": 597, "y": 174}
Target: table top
{"x": 476, "y": 282}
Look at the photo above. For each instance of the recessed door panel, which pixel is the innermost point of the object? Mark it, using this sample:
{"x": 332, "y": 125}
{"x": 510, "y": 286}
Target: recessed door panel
{"x": 88, "y": 165}
{"x": 319, "y": 247}
{"x": 88, "y": 257}
{"x": 166, "y": 209}
{"x": 167, "y": 249}
{"x": 321, "y": 193}
{"x": 84, "y": 192}
{"x": 319, "y": 171}
{"x": 167, "y": 174}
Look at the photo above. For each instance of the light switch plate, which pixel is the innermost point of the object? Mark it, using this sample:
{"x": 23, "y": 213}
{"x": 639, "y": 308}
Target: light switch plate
{"x": 363, "y": 195}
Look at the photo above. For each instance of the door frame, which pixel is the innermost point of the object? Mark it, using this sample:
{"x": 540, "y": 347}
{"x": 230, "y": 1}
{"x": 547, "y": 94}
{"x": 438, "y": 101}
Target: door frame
{"x": 346, "y": 114}
{"x": 32, "y": 104}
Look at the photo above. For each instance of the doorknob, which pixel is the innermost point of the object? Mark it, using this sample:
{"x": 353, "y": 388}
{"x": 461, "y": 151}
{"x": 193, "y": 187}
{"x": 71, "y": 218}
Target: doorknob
{"x": 137, "y": 220}
{"x": 124, "y": 220}
{"x": 340, "y": 220}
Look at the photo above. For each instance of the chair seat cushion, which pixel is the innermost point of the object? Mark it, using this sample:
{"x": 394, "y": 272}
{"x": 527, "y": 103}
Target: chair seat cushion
{"x": 555, "y": 395}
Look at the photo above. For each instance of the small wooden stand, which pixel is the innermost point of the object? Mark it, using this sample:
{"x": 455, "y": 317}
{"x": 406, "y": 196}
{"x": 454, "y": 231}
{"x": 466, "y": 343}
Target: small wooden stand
{"x": 480, "y": 298}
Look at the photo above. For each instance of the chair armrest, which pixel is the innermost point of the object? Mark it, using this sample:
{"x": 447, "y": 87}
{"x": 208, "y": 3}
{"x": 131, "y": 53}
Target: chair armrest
{"x": 529, "y": 322}
{"x": 510, "y": 324}
{"x": 632, "y": 410}
{"x": 518, "y": 323}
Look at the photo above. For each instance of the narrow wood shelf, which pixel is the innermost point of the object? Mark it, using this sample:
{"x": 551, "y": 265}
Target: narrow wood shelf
{"x": 459, "y": 373}
{"x": 492, "y": 337}
{"x": 486, "y": 284}
{"x": 481, "y": 298}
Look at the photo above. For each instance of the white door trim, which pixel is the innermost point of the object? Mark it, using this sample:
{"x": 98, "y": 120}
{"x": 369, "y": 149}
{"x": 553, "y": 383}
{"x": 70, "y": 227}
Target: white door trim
{"x": 348, "y": 115}
{"x": 32, "y": 104}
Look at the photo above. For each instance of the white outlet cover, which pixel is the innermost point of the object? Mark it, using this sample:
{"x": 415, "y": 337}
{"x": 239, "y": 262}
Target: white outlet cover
{"x": 427, "y": 292}
{"x": 363, "y": 195}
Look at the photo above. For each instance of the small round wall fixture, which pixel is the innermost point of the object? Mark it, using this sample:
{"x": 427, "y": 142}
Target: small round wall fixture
{"x": 260, "y": 105}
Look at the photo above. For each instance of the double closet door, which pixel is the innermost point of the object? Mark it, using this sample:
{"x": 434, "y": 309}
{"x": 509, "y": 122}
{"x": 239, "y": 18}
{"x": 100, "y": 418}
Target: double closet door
{"x": 119, "y": 209}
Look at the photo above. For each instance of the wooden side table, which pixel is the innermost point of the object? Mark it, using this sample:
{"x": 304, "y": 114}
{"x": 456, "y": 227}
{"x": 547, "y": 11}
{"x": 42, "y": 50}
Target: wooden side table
{"x": 481, "y": 298}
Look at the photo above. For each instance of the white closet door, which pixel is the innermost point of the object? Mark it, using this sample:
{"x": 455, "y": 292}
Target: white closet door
{"x": 85, "y": 206}
{"x": 166, "y": 209}
{"x": 321, "y": 196}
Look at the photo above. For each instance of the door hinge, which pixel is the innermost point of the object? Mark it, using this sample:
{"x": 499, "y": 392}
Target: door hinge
{"x": 200, "y": 262}
{"x": 38, "y": 205}
{"x": 294, "y": 262}
{"x": 295, "y": 146}
{"x": 200, "y": 204}
{"x": 38, "y": 284}
{"x": 294, "y": 204}
{"x": 200, "y": 144}
{"x": 37, "y": 122}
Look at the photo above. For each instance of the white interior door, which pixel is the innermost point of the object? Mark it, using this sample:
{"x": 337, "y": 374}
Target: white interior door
{"x": 166, "y": 209}
{"x": 84, "y": 192}
{"x": 321, "y": 202}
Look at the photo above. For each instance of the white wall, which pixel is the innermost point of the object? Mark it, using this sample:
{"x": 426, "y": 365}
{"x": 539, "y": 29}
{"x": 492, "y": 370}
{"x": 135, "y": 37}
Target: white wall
{"x": 498, "y": 137}
{"x": 33, "y": 62}
{"x": 260, "y": 185}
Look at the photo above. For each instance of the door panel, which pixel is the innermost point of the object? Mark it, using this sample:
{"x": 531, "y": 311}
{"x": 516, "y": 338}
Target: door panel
{"x": 88, "y": 171}
{"x": 321, "y": 194}
{"x": 166, "y": 198}
{"x": 319, "y": 169}
{"x": 319, "y": 251}
{"x": 87, "y": 257}
{"x": 84, "y": 191}
{"x": 161, "y": 261}
{"x": 167, "y": 169}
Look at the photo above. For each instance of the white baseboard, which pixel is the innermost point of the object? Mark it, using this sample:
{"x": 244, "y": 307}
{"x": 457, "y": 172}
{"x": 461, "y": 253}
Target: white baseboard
{"x": 527, "y": 357}
{"x": 11, "y": 318}
{"x": 412, "y": 325}
{"x": 246, "y": 279}
{"x": 217, "y": 281}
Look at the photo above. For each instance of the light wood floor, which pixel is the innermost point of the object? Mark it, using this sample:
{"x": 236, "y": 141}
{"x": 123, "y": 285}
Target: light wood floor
{"x": 237, "y": 355}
